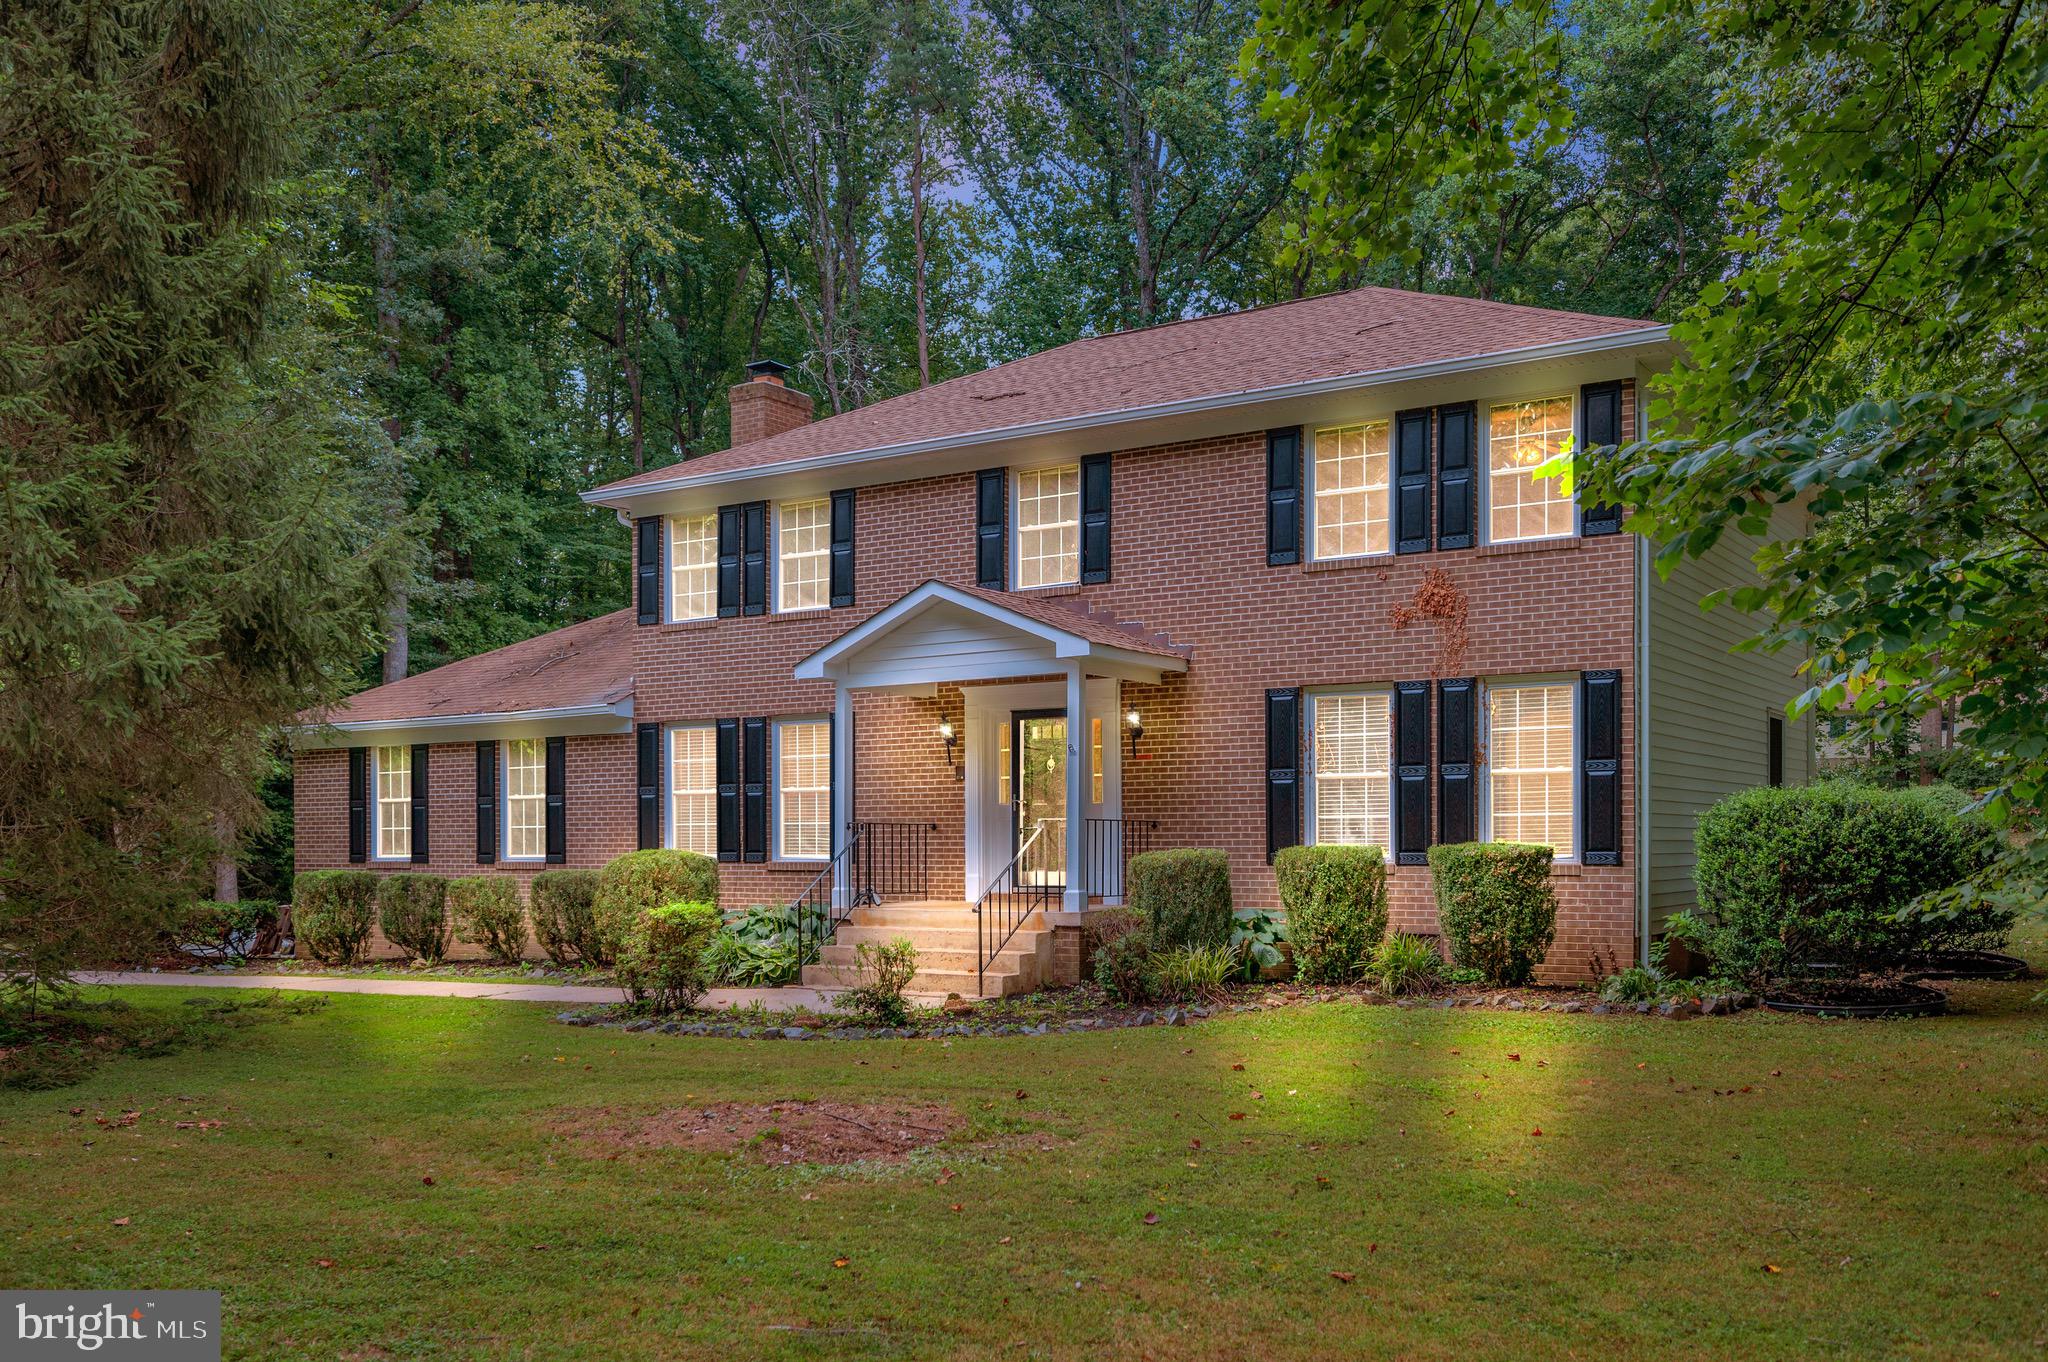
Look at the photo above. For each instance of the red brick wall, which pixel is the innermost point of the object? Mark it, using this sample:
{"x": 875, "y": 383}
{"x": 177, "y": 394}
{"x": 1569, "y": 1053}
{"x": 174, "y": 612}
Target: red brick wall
{"x": 1189, "y": 560}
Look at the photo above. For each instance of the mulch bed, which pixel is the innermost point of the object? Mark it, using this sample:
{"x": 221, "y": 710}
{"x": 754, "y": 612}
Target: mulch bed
{"x": 1868, "y": 996}
{"x": 776, "y": 1133}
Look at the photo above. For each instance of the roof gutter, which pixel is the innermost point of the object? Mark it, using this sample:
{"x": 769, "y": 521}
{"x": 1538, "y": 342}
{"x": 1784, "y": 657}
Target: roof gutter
{"x": 1618, "y": 340}
{"x": 606, "y": 712}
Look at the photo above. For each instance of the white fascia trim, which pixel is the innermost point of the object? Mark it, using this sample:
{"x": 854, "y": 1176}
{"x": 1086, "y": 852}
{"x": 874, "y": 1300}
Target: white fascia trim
{"x": 1617, "y": 340}
{"x": 613, "y": 709}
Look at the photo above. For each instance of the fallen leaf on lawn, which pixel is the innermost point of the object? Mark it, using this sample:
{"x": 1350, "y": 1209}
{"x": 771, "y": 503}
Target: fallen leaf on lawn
{"x": 1021, "y": 1094}
{"x": 841, "y": 1262}
{"x": 1773, "y": 1268}
{"x": 1642, "y": 1066}
{"x": 1322, "y": 1181}
{"x": 1777, "y": 1073}
{"x": 1151, "y": 1217}
{"x": 1515, "y": 1057}
{"x": 1004, "y": 1240}
{"x": 956, "y": 1206}
{"x": 78, "y": 1111}
{"x": 1537, "y": 1131}
{"x": 1237, "y": 1068}
{"x": 1237, "y": 1116}
{"x": 1194, "y": 1144}
{"x": 323, "y": 1262}
{"x": 1346, "y": 1277}
{"x": 122, "y": 1220}
{"x": 1258, "y": 1097}
{"x": 1372, "y": 1248}
{"x": 427, "y": 1180}
{"x": 945, "y": 1176}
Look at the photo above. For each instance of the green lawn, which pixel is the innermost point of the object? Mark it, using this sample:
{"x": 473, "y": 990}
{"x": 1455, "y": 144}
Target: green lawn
{"x": 1896, "y": 1175}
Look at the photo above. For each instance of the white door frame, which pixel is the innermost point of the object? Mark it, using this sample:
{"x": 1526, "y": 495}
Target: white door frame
{"x": 989, "y": 830}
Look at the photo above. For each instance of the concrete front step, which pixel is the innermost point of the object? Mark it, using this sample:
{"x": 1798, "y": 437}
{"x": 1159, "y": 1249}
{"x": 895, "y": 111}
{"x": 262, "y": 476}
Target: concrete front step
{"x": 1011, "y": 958}
{"x": 947, "y": 938}
{"x": 963, "y": 982}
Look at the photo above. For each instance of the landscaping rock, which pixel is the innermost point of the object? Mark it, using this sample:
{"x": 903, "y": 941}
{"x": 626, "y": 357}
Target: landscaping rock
{"x": 795, "y": 1033}
{"x": 641, "y": 1024}
{"x": 1679, "y": 1010}
{"x": 1142, "y": 1019}
{"x": 956, "y": 1006}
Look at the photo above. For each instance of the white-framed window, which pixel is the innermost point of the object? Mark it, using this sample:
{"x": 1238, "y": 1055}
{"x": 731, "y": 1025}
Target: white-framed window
{"x": 1351, "y": 769}
{"x": 803, "y": 550}
{"x": 1049, "y": 526}
{"x": 1352, "y": 506}
{"x": 803, "y": 789}
{"x": 392, "y": 772}
{"x": 1530, "y": 753}
{"x": 1095, "y": 759}
{"x": 1003, "y": 764}
{"x": 526, "y": 799}
{"x": 693, "y": 788}
{"x": 1520, "y": 436}
{"x": 693, "y": 567}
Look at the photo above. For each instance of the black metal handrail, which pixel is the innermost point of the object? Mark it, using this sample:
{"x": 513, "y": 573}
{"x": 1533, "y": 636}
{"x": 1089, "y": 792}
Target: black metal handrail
{"x": 1005, "y": 904}
{"x": 894, "y": 861}
{"x": 818, "y": 910}
{"x": 1111, "y": 844}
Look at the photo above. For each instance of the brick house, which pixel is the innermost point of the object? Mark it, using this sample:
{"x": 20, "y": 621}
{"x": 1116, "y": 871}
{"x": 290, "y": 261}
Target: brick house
{"x": 1269, "y": 577}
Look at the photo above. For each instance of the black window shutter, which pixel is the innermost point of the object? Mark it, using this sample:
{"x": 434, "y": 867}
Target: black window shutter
{"x": 1774, "y": 757}
{"x": 1457, "y": 726}
{"x": 991, "y": 528}
{"x": 1457, "y": 447}
{"x": 1411, "y": 481}
{"x": 486, "y": 802}
{"x": 1600, "y": 427}
{"x": 842, "y": 548}
{"x": 731, "y": 533}
{"x": 754, "y": 559}
{"x": 419, "y": 804}
{"x": 1283, "y": 495}
{"x": 649, "y": 751}
{"x": 1600, "y": 766}
{"x": 754, "y": 789}
{"x": 557, "y": 825}
{"x": 1095, "y": 518}
{"x": 647, "y": 569}
{"x": 1411, "y": 773}
{"x": 1283, "y": 770}
{"x": 728, "y": 789}
{"x": 358, "y": 804}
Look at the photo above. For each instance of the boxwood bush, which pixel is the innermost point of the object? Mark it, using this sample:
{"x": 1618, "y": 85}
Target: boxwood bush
{"x": 332, "y": 912}
{"x": 1336, "y": 902}
{"x": 661, "y": 956}
{"x": 1183, "y": 894}
{"x": 487, "y": 911}
{"x": 1821, "y": 874}
{"x": 1120, "y": 955}
{"x": 641, "y": 880}
{"x": 413, "y": 911}
{"x": 1495, "y": 906}
{"x": 564, "y": 914}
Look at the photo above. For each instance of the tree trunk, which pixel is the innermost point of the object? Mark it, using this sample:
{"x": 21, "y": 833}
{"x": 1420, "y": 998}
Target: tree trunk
{"x": 398, "y": 649}
{"x": 227, "y": 881}
{"x": 629, "y": 364}
{"x": 924, "y": 348}
{"x": 384, "y": 250}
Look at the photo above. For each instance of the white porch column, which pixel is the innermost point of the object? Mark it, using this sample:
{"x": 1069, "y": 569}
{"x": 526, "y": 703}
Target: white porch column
{"x": 842, "y": 788}
{"x": 1077, "y": 791}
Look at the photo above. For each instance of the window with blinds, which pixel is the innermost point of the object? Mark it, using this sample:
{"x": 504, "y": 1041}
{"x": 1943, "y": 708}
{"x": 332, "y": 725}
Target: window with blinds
{"x": 1351, "y": 775}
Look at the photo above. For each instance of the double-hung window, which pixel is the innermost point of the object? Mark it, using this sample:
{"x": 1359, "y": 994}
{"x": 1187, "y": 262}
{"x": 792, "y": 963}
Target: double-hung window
{"x": 803, "y": 789}
{"x": 1351, "y": 504}
{"x": 803, "y": 569}
{"x": 693, "y": 550}
{"x": 1049, "y": 526}
{"x": 1352, "y": 771}
{"x": 693, "y": 789}
{"x": 1529, "y": 757}
{"x": 526, "y": 799}
{"x": 394, "y": 803}
{"x": 1520, "y": 436}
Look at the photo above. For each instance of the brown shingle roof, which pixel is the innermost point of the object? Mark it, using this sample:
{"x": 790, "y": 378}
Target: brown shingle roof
{"x": 1073, "y": 615}
{"x": 1361, "y": 332}
{"x": 585, "y": 664}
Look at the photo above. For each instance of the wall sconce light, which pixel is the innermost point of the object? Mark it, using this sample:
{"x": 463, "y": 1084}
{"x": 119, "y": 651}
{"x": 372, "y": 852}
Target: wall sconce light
{"x": 1137, "y": 727}
{"x": 949, "y": 737}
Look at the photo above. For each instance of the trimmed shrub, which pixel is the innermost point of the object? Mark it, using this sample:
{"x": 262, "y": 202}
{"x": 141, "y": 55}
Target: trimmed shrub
{"x": 661, "y": 958}
{"x": 1121, "y": 956}
{"x": 1974, "y": 842}
{"x": 638, "y": 881}
{"x": 1183, "y": 894}
{"x": 1196, "y": 973}
{"x": 885, "y": 970}
{"x": 1336, "y": 902}
{"x": 332, "y": 912}
{"x": 1404, "y": 964}
{"x": 1495, "y": 906}
{"x": 487, "y": 912}
{"x": 564, "y": 914}
{"x": 1822, "y": 873}
{"x": 413, "y": 910}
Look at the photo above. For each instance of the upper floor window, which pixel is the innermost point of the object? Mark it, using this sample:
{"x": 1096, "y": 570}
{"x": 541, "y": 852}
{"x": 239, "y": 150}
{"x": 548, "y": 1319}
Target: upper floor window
{"x": 526, "y": 799}
{"x": 1352, "y": 770}
{"x": 394, "y": 802}
{"x": 1351, "y": 504}
{"x": 693, "y": 549}
{"x": 1049, "y": 526}
{"x": 803, "y": 569}
{"x": 1529, "y": 764}
{"x": 693, "y": 789}
{"x": 1520, "y": 437}
{"x": 803, "y": 789}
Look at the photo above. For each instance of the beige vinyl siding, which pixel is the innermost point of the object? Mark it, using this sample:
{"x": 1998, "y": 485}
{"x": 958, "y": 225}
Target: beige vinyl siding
{"x": 1709, "y": 709}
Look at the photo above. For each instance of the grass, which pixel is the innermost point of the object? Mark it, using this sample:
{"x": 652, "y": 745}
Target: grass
{"x": 1894, "y": 1174}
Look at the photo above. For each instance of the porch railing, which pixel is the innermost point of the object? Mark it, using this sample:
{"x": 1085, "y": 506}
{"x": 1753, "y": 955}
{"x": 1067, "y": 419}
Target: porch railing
{"x": 1111, "y": 844}
{"x": 1011, "y": 897}
{"x": 878, "y": 859}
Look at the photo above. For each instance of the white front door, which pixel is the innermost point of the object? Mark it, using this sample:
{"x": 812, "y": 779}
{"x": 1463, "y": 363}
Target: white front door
{"x": 995, "y": 784}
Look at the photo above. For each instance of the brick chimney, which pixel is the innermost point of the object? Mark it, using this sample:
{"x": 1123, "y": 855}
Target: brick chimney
{"x": 764, "y": 406}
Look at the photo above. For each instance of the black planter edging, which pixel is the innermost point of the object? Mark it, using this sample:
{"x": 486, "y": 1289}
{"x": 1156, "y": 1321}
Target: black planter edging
{"x": 1988, "y": 965}
{"x": 1166, "y": 1016}
{"x": 1929, "y": 1003}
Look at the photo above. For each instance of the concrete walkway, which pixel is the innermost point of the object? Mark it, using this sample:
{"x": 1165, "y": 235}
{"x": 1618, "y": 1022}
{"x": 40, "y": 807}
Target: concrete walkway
{"x": 561, "y": 995}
